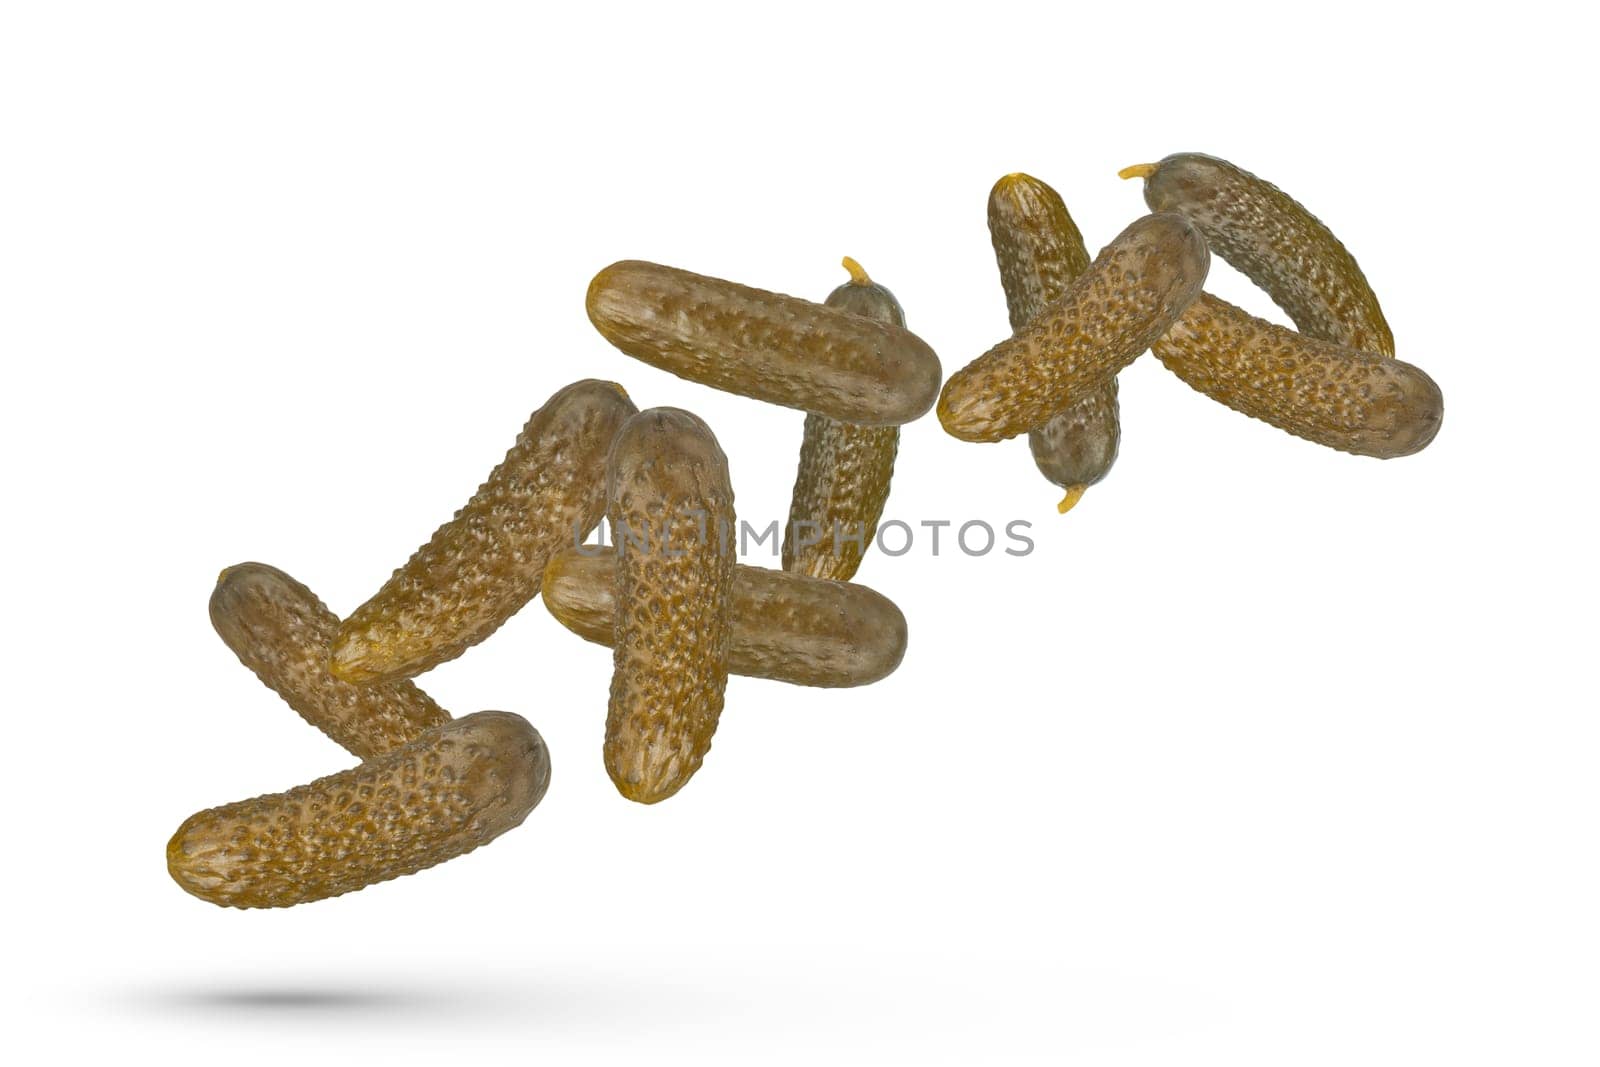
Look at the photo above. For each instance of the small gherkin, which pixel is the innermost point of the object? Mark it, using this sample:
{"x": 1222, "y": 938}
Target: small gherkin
{"x": 1359, "y": 402}
{"x": 671, "y": 513}
{"x": 842, "y": 482}
{"x": 1272, "y": 239}
{"x": 1040, "y": 252}
{"x": 764, "y": 345}
{"x": 483, "y": 565}
{"x": 787, "y": 627}
{"x": 454, "y": 788}
{"x": 281, "y": 631}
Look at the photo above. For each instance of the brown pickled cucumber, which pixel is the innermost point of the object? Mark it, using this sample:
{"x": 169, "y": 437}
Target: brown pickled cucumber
{"x": 281, "y": 631}
{"x": 456, "y": 787}
{"x": 765, "y": 345}
{"x": 843, "y": 479}
{"x": 485, "y": 563}
{"x": 1275, "y": 242}
{"x": 1138, "y": 285}
{"x": 670, "y": 509}
{"x": 787, "y": 627}
{"x": 1360, "y": 402}
{"x": 1040, "y": 251}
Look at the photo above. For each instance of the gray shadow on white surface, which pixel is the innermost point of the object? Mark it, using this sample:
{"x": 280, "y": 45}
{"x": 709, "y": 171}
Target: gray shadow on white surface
{"x": 628, "y": 1012}
{"x": 264, "y": 1000}
{"x": 510, "y": 1000}
{"x": 301, "y": 1000}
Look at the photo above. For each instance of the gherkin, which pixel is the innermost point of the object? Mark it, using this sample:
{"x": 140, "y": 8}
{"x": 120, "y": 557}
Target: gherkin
{"x": 843, "y": 480}
{"x": 281, "y": 631}
{"x": 1359, "y": 402}
{"x": 768, "y": 346}
{"x": 483, "y": 565}
{"x": 1040, "y": 252}
{"x": 454, "y": 788}
{"x": 1272, "y": 239}
{"x": 788, "y": 627}
{"x": 670, "y": 508}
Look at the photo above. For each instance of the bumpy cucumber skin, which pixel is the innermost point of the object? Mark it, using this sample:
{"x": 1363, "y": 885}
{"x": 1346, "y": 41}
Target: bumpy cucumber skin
{"x": 282, "y": 632}
{"x": 1274, "y": 241}
{"x": 765, "y": 345}
{"x": 1132, "y": 292}
{"x": 843, "y": 479}
{"x": 667, "y": 478}
{"x": 787, "y": 627}
{"x": 1359, "y": 402}
{"x": 1040, "y": 251}
{"x": 484, "y": 564}
{"x": 454, "y": 788}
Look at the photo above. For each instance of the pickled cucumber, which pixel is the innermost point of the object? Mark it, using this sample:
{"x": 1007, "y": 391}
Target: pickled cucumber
{"x": 765, "y": 345}
{"x": 1040, "y": 251}
{"x": 456, "y": 787}
{"x": 1275, "y": 242}
{"x": 1138, "y": 285}
{"x": 281, "y": 631}
{"x": 843, "y": 479}
{"x": 1360, "y": 402}
{"x": 484, "y": 564}
{"x": 670, "y": 509}
{"x": 787, "y": 627}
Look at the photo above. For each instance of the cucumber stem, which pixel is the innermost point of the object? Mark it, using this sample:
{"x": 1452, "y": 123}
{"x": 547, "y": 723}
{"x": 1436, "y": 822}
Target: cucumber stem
{"x": 1074, "y": 494}
{"x": 858, "y": 274}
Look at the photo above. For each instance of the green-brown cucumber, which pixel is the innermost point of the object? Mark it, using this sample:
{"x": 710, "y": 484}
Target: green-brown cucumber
{"x": 768, "y": 346}
{"x": 1273, "y": 240}
{"x": 483, "y": 565}
{"x": 670, "y": 509}
{"x": 282, "y": 632}
{"x": 787, "y": 627}
{"x": 1360, "y": 402}
{"x": 842, "y": 482}
{"x": 1040, "y": 251}
{"x": 456, "y": 787}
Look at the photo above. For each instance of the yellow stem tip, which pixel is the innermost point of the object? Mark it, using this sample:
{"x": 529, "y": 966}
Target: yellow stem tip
{"x": 858, "y": 274}
{"x": 1074, "y": 494}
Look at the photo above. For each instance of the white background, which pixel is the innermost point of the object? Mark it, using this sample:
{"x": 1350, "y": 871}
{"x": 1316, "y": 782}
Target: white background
{"x": 1266, "y": 755}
